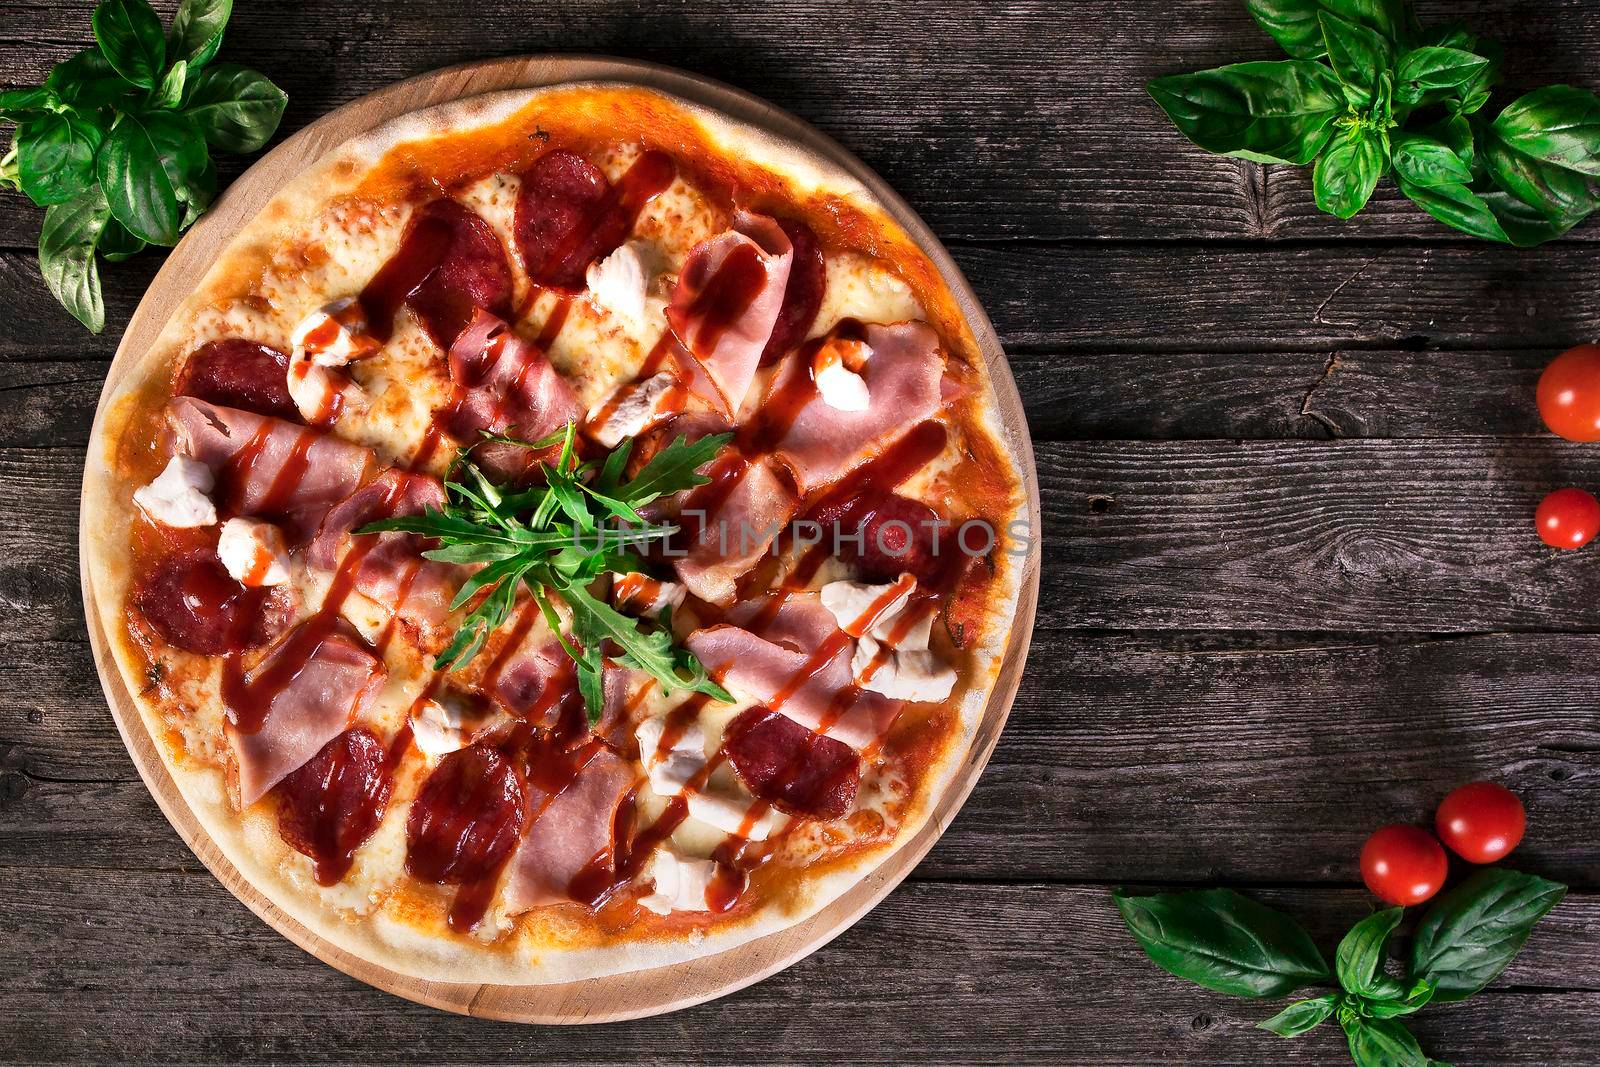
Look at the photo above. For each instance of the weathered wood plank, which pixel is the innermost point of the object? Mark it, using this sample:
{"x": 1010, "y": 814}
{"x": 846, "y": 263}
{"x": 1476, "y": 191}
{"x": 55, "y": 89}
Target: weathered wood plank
{"x": 985, "y": 974}
{"x": 1149, "y": 298}
{"x": 1125, "y": 757}
{"x": 988, "y": 139}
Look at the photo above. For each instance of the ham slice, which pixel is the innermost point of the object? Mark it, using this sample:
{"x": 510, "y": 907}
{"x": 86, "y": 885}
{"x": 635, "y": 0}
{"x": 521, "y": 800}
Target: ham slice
{"x": 393, "y": 572}
{"x": 730, "y": 527}
{"x": 334, "y": 687}
{"x": 727, "y": 302}
{"x": 268, "y": 467}
{"x": 794, "y": 650}
{"x": 904, "y": 371}
{"x": 567, "y": 831}
{"x": 505, "y": 385}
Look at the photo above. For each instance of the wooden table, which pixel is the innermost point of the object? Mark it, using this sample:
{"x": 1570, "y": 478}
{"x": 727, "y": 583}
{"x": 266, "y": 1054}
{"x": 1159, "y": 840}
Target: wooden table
{"x": 1291, "y": 587}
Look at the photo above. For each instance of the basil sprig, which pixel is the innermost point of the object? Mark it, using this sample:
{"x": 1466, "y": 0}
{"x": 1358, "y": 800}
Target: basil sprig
{"x": 1226, "y": 942}
{"x": 554, "y": 540}
{"x": 114, "y": 143}
{"x": 1369, "y": 91}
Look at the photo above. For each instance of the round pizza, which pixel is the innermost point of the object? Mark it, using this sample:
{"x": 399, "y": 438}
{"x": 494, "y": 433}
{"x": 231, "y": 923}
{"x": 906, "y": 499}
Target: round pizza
{"x": 567, "y": 531}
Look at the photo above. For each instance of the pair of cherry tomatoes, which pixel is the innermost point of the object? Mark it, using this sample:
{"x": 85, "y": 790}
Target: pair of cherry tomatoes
{"x": 1480, "y": 822}
{"x": 1569, "y": 403}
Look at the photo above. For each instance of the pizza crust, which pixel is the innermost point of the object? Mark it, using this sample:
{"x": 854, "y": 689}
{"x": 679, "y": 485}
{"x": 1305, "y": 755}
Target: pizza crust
{"x": 384, "y": 936}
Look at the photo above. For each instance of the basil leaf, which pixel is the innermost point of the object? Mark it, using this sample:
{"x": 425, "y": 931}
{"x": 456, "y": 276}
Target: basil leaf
{"x": 1224, "y": 941}
{"x": 1385, "y": 16}
{"x": 1561, "y": 195}
{"x": 181, "y": 148}
{"x": 1358, "y": 55}
{"x": 129, "y": 35}
{"x": 1471, "y": 934}
{"x": 1558, "y": 125}
{"x": 1449, "y": 35}
{"x": 18, "y": 104}
{"x": 117, "y": 244}
{"x": 136, "y": 185}
{"x": 1359, "y": 960}
{"x": 1292, "y": 23}
{"x": 1525, "y": 226}
{"x": 1347, "y": 174}
{"x": 55, "y": 156}
{"x": 66, "y": 256}
{"x": 237, "y": 109}
{"x": 1382, "y": 1043}
{"x": 197, "y": 30}
{"x": 1426, "y": 161}
{"x": 1457, "y": 206}
{"x": 170, "y": 92}
{"x": 1279, "y": 112}
{"x": 87, "y": 81}
{"x": 1301, "y": 1016}
{"x": 1426, "y": 74}
{"x": 1414, "y": 999}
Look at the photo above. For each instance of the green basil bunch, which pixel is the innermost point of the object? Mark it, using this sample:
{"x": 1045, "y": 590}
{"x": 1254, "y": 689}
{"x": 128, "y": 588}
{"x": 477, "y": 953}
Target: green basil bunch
{"x": 1228, "y": 943}
{"x": 114, "y": 144}
{"x": 1369, "y": 91}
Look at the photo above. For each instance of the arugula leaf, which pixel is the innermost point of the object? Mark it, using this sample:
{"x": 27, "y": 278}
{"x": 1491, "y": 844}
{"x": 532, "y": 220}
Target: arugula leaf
{"x": 197, "y": 30}
{"x": 237, "y": 109}
{"x": 1475, "y": 930}
{"x": 653, "y": 653}
{"x": 66, "y": 256}
{"x": 1224, "y": 941}
{"x": 129, "y": 35}
{"x": 1278, "y": 112}
{"x": 1301, "y": 1016}
{"x": 672, "y": 469}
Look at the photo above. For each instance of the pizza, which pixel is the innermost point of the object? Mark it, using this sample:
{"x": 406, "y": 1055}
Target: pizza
{"x": 567, "y": 531}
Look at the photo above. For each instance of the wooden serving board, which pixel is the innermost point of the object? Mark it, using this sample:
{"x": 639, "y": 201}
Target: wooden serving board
{"x": 623, "y": 996}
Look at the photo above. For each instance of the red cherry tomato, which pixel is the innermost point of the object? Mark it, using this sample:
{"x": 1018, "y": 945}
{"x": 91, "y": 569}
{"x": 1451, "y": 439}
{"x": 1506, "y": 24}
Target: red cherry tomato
{"x": 1481, "y": 822}
{"x": 1403, "y": 865}
{"x": 1567, "y": 518}
{"x": 1569, "y": 394}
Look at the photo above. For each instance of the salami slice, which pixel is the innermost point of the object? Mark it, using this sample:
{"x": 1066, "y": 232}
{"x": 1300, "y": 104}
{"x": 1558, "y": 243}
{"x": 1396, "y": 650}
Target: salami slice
{"x": 449, "y": 262}
{"x": 193, "y": 603}
{"x": 790, "y": 767}
{"x": 331, "y": 805}
{"x": 466, "y": 819}
{"x": 569, "y": 214}
{"x": 802, "y": 294}
{"x": 885, "y": 535}
{"x": 239, "y": 374}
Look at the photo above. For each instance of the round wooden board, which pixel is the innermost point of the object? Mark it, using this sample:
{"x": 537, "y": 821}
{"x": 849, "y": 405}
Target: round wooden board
{"x": 623, "y": 996}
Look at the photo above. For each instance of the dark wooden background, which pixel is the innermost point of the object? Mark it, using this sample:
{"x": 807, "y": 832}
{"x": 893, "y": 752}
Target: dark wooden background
{"x": 1291, "y": 588}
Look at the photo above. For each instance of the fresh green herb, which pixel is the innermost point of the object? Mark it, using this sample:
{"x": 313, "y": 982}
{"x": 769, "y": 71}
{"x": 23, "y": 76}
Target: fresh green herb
{"x": 114, "y": 143}
{"x": 1368, "y": 92}
{"x": 554, "y": 540}
{"x": 1227, "y": 942}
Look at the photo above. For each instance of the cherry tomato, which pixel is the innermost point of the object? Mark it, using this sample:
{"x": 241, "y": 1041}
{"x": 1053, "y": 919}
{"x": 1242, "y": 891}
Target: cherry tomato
{"x": 1569, "y": 394}
{"x": 1481, "y": 822}
{"x": 1567, "y": 518}
{"x": 1403, "y": 865}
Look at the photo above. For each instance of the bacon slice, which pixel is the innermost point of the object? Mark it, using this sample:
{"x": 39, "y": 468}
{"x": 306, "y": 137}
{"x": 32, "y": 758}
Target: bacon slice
{"x": 506, "y": 385}
{"x": 798, "y": 663}
{"x": 393, "y": 572}
{"x": 571, "y": 827}
{"x": 449, "y": 263}
{"x": 727, "y": 302}
{"x": 268, "y": 467}
{"x": 240, "y": 374}
{"x": 819, "y": 443}
{"x": 730, "y": 526}
{"x": 334, "y": 687}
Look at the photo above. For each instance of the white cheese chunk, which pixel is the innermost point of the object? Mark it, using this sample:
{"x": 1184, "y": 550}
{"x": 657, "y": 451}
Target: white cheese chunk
{"x": 853, "y": 602}
{"x": 914, "y": 674}
{"x": 679, "y": 884}
{"x": 253, "y": 552}
{"x": 640, "y": 594}
{"x": 449, "y": 721}
{"x": 318, "y": 392}
{"x": 332, "y": 336}
{"x": 835, "y": 368}
{"x": 670, "y": 772}
{"x": 628, "y": 410}
{"x": 177, "y": 496}
{"x": 619, "y": 282}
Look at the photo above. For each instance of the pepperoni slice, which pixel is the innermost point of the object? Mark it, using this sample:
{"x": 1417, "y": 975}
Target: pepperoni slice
{"x": 449, "y": 262}
{"x": 789, "y": 766}
{"x": 886, "y": 534}
{"x": 802, "y": 296}
{"x": 236, "y": 373}
{"x": 195, "y": 604}
{"x": 466, "y": 818}
{"x": 329, "y": 807}
{"x": 563, "y": 222}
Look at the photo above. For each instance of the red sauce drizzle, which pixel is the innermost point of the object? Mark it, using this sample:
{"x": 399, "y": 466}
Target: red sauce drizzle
{"x": 552, "y": 325}
{"x": 420, "y": 253}
{"x": 329, "y": 807}
{"x": 727, "y": 295}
